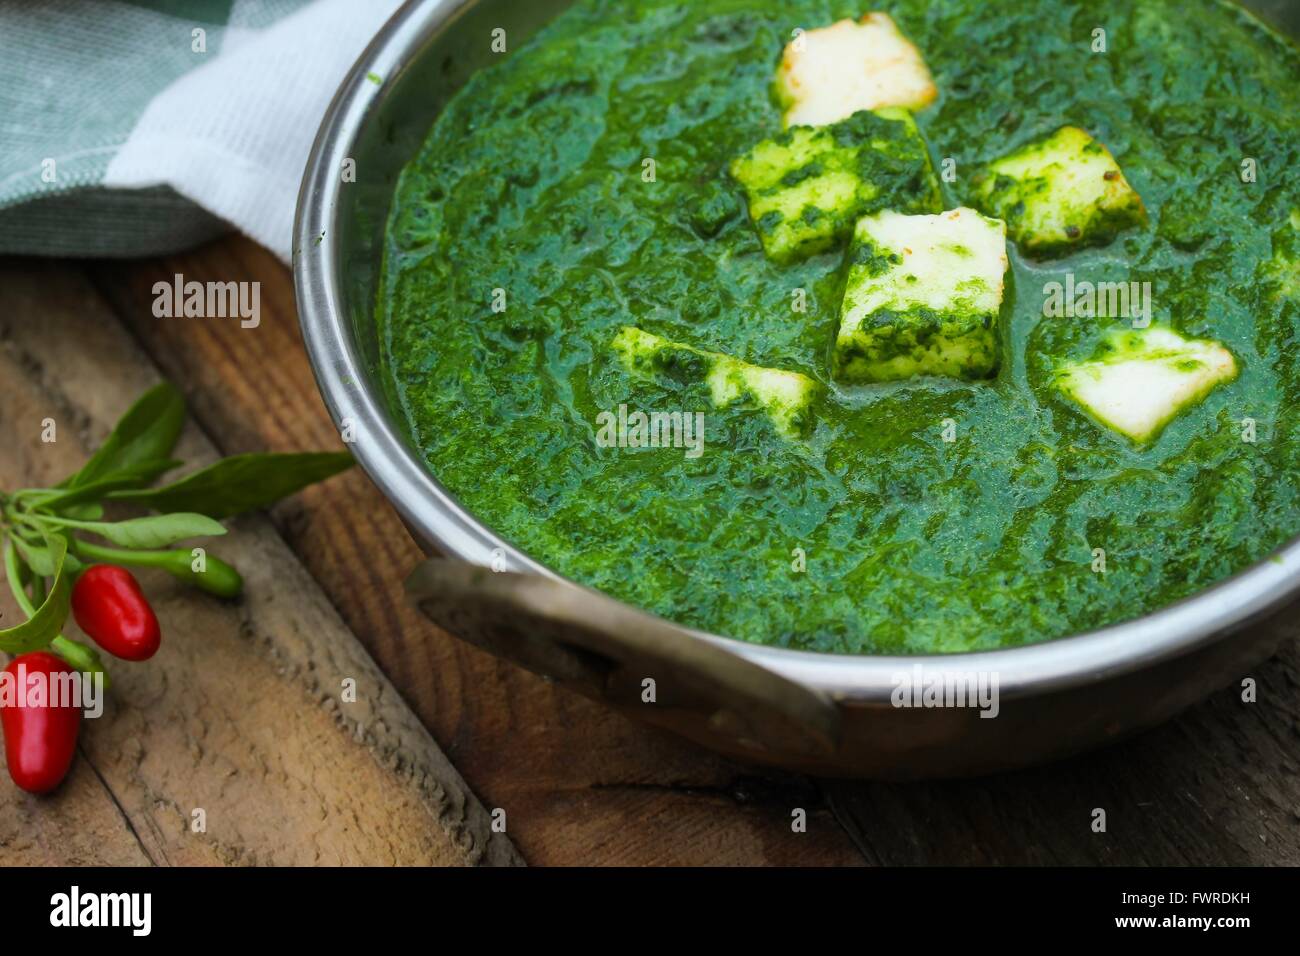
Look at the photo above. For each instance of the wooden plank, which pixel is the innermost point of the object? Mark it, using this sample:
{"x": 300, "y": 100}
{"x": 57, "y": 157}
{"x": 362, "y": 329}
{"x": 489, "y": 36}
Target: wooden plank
{"x": 578, "y": 783}
{"x": 240, "y": 714}
{"x": 1219, "y": 786}
{"x": 77, "y": 825}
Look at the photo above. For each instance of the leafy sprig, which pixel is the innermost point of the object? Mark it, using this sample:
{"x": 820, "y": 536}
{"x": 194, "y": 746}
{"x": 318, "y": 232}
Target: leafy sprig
{"x": 45, "y": 530}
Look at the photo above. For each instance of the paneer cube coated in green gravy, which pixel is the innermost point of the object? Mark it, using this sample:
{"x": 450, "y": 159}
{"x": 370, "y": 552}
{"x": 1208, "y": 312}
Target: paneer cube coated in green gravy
{"x": 808, "y": 186}
{"x": 922, "y": 297}
{"x": 1059, "y": 193}
{"x": 785, "y": 397}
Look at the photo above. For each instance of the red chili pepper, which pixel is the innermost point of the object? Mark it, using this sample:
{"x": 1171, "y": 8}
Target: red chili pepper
{"x": 109, "y": 606}
{"x": 40, "y": 737}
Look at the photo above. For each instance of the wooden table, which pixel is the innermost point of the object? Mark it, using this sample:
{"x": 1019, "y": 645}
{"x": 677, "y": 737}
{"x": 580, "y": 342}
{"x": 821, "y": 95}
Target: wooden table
{"x": 581, "y": 785}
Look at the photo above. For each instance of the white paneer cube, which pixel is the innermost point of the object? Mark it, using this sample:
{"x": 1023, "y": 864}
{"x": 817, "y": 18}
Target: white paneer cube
{"x": 922, "y": 297}
{"x": 1141, "y": 379}
{"x": 829, "y": 74}
{"x": 785, "y": 397}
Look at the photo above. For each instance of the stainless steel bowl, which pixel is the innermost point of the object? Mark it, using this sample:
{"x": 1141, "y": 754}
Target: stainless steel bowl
{"x": 823, "y": 713}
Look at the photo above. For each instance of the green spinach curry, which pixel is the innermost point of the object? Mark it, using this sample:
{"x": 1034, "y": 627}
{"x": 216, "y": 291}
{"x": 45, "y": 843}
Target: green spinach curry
{"x": 584, "y": 186}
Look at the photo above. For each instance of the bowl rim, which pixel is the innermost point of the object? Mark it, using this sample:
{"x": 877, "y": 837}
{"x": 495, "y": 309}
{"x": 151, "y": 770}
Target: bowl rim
{"x": 434, "y": 515}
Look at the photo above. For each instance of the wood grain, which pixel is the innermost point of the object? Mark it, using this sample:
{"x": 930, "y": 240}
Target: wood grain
{"x": 1219, "y": 786}
{"x": 241, "y": 714}
{"x": 578, "y": 783}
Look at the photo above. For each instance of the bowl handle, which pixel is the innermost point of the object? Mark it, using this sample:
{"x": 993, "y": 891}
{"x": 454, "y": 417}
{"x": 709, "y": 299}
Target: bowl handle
{"x": 646, "y": 667}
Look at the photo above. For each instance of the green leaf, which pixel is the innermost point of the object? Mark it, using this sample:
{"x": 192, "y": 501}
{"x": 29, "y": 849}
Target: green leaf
{"x": 240, "y": 483}
{"x": 90, "y": 511}
{"x": 72, "y": 565}
{"x": 147, "y": 432}
{"x": 140, "y": 475}
{"x": 38, "y": 557}
{"x": 155, "y": 531}
{"x": 44, "y": 625}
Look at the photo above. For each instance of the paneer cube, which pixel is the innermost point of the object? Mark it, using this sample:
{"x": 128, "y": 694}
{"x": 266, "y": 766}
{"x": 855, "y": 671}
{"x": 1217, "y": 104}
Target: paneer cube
{"x": 785, "y": 397}
{"x": 807, "y": 187}
{"x": 1059, "y": 193}
{"x": 1141, "y": 379}
{"x": 831, "y": 73}
{"x": 922, "y": 297}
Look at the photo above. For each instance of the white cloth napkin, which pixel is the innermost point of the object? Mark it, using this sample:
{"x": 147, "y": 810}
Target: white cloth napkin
{"x": 233, "y": 134}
